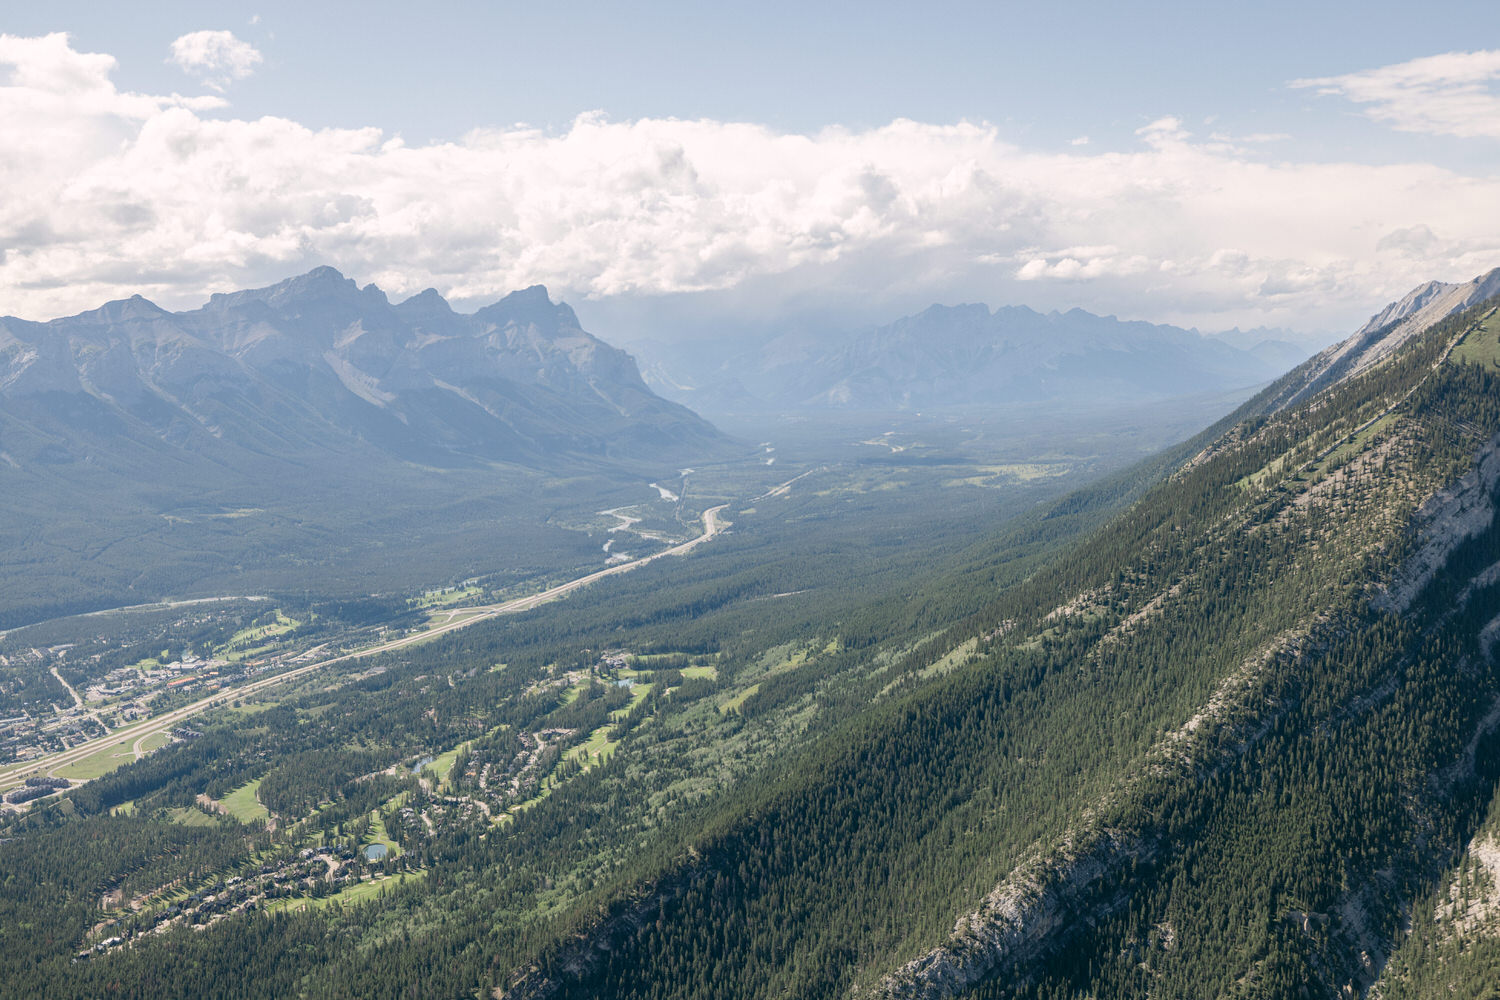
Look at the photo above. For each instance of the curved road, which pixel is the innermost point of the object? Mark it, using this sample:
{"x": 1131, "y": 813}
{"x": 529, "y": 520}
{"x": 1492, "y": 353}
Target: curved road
{"x": 136, "y": 732}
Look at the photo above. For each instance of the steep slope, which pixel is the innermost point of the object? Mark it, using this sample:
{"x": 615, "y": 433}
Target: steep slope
{"x": 1216, "y": 750}
{"x": 1452, "y": 947}
{"x": 969, "y": 356}
{"x": 1388, "y": 330}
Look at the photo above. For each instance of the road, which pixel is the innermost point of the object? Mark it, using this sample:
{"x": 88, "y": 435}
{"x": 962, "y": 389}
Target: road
{"x": 158, "y": 605}
{"x": 785, "y": 488}
{"x": 136, "y": 732}
{"x": 139, "y": 749}
{"x": 77, "y": 701}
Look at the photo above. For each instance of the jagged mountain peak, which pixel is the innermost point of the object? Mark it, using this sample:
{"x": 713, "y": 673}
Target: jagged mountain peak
{"x": 319, "y": 287}
{"x": 530, "y": 296}
{"x": 965, "y": 310}
{"x": 431, "y": 314}
{"x": 316, "y": 359}
{"x": 1385, "y": 333}
{"x": 428, "y": 300}
{"x": 531, "y": 306}
{"x": 1434, "y": 300}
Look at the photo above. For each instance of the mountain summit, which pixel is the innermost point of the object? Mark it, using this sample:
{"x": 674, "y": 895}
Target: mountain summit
{"x": 316, "y": 361}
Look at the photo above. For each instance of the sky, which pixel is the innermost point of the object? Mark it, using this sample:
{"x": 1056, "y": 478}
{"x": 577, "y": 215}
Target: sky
{"x": 681, "y": 170}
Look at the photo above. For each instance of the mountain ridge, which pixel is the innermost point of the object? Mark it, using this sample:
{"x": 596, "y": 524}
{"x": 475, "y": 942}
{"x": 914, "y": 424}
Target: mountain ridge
{"x": 518, "y": 380}
{"x": 969, "y": 355}
{"x": 1272, "y": 718}
{"x": 1390, "y": 328}
{"x": 353, "y": 427}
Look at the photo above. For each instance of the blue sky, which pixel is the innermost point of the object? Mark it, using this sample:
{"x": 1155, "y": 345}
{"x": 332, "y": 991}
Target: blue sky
{"x": 1048, "y": 73}
{"x": 1153, "y": 160}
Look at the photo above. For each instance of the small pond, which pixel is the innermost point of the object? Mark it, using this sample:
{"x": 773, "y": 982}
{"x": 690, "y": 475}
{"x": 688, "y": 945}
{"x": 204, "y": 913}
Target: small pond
{"x": 376, "y": 852}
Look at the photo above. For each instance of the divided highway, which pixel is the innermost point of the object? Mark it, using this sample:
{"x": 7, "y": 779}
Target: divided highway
{"x": 134, "y": 733}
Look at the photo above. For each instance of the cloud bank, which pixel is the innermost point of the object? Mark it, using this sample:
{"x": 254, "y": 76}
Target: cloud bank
{"x": 111, "y": 193}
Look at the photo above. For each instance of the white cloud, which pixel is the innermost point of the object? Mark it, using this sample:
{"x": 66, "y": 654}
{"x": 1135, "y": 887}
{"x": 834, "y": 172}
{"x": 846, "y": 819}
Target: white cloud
{"x": 1080, "y": 264}
{"x": 1448, "y": 94}
{"x": 111, "y": 193}
{"x": 1163, "y": 132}
{"x": 215, "y": 57}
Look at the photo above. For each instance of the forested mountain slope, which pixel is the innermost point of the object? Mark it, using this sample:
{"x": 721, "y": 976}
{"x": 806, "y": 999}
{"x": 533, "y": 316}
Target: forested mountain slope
{"x": 1224, "y": 725}
{"x": 1217, "y": 750}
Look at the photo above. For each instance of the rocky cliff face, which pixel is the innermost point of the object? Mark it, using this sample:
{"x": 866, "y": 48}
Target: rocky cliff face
{"x": 1036, "y": 911}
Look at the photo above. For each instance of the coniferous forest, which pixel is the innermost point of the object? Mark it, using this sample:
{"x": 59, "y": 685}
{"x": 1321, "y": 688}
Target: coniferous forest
{"x": 1224, "y": 722}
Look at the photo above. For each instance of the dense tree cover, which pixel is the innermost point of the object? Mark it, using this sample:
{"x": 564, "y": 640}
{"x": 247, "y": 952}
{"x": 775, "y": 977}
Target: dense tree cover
{"x": 78, "y": 537}
{"x": 1453, "y": 949}
{"x": 1312, "y": 795}
{"x": 497, "y": 895}
{"x": 865, "y": 762}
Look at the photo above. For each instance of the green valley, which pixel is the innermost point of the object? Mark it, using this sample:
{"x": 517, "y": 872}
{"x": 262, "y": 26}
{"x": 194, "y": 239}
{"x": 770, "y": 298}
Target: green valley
{"x": 896, "y": 722}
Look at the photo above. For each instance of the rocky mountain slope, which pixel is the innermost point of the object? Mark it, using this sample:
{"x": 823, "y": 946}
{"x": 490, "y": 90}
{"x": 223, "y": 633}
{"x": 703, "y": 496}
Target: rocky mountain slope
{"x": 318, "y": 363}
{"x": 1224, "y": 725}
{"x": 1221, "y": 748}
{"x": 1389, "y": 329}
{"x": 970, "y": 356}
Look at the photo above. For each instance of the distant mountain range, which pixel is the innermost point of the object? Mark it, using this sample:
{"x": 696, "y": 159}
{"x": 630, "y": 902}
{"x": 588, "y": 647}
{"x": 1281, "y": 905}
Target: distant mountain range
{"x": 318, "y": 363}
{"x": 313, "y": 434}
{"x": 970, "y": 356}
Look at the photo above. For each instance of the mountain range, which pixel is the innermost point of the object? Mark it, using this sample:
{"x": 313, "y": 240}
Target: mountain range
{"x": 1223, "y": 724}
{"x": 316, "y": 363}
{"x": 312, "y": 433}
{"x": 969, "y": 356}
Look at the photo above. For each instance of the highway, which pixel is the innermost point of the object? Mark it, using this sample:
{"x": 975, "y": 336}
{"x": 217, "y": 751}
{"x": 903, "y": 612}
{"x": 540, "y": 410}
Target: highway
{"x": 134, "y": 733}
